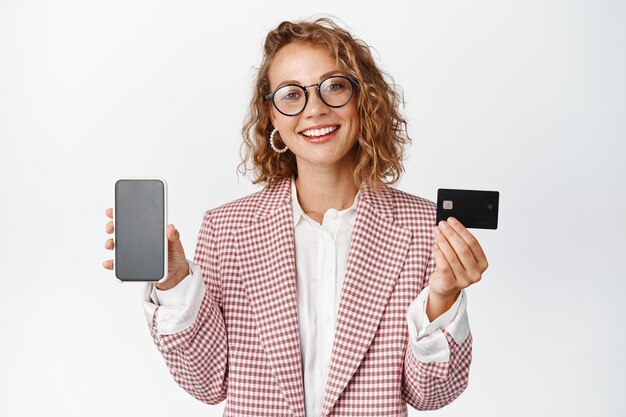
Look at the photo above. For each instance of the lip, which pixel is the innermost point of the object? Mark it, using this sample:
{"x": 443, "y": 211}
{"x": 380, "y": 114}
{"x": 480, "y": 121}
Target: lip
{"x": 319, "y": 127}
{"x": 320, "y": 139}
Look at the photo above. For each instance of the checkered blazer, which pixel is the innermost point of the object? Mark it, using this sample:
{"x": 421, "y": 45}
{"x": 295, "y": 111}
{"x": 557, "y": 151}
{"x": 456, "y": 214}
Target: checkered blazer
{"x": 244, "y": 344}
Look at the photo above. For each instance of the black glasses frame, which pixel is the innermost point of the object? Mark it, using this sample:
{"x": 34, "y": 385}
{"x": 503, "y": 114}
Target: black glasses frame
{"x": 305, "y": 88}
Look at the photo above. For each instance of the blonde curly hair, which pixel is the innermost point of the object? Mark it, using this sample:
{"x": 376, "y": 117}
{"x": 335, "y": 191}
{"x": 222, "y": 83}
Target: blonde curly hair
{"x": 379, "y": 151}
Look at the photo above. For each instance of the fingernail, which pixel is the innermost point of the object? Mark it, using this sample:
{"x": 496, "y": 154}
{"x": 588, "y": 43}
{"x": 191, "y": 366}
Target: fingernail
{"x": 452, "y": 220}
{"x": 436, "y": 246}
{"x": 443, "y": 224}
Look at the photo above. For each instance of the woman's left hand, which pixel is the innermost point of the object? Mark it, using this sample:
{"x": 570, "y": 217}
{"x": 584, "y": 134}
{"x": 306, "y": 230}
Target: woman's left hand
{"x": 460, "y": 263}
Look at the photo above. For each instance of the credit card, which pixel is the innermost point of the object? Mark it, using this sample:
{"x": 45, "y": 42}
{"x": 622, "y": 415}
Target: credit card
{"x": 475, "y": 209}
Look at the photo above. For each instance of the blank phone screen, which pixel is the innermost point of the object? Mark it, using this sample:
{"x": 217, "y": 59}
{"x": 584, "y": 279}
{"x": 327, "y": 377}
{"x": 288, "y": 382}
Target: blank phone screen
{"x": 139, "y": 230}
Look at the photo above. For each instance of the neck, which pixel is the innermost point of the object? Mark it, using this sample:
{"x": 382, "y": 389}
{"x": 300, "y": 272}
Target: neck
{"x": 321, "y": 189}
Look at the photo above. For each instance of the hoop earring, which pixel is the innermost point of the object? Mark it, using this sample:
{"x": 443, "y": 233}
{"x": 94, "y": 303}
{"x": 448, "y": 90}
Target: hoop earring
{"x": 272, "y": 142}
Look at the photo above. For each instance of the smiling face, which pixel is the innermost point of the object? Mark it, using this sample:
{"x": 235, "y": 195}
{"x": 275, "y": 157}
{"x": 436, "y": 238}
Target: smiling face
{"x": 306, "y": 64}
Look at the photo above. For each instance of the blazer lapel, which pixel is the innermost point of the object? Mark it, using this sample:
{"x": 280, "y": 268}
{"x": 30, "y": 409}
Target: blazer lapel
{"x": 266, "y": 256}
{"x": 378, "y": 248}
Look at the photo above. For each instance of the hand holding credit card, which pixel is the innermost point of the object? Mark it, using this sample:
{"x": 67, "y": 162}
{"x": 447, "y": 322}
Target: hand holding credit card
{"x": 459, "y": 258}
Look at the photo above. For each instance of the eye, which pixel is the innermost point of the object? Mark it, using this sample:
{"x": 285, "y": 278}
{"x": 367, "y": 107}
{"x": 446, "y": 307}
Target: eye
{"x": 335, "y": 85}
{"x": 291, "y": 96}
{"x": 289, "y": 93}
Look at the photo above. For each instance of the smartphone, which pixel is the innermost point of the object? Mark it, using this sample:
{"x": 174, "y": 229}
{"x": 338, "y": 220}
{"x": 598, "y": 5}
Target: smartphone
{"x": 476, "y": 209}
{"x": 140, "y": 229}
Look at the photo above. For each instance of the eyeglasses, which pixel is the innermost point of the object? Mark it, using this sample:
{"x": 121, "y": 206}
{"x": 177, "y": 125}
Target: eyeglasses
{"x": 291, "y": 99}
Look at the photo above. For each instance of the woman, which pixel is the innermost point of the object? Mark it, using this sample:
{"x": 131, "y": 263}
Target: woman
{"x": 323, "y": 293}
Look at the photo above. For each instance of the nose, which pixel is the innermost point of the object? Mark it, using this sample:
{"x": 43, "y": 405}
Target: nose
{"x": 314, "y": 106}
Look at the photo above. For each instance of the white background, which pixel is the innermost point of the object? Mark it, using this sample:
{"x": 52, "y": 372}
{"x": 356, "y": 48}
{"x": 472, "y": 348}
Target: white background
{"x": 524, "y": 97}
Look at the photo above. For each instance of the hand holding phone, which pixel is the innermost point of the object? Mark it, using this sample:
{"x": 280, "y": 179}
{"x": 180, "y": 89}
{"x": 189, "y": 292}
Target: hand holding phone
{"x": 145, "y": 246}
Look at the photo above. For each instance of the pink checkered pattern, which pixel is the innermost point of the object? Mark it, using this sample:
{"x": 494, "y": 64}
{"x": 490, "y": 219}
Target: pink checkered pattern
{"x": 244, "y": 345}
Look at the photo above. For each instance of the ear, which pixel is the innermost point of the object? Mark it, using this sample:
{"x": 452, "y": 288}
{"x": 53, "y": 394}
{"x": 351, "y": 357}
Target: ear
{"x": 269, "y": 108}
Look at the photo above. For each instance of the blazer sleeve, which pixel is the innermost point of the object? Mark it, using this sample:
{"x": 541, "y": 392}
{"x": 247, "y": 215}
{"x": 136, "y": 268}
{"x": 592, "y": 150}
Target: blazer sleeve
{"x": 436, "y": 383}
{"x": 197, "y": 355}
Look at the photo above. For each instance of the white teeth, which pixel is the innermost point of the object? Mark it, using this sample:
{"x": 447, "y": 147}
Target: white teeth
{"x": 319, "y": 132}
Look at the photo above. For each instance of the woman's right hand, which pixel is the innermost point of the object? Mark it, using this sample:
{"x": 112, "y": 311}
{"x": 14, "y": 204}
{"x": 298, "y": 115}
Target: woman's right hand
{"x": 177, "y": 267}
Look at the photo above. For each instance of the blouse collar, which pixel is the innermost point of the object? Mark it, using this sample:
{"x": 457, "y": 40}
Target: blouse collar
{"x": 348, "y": 214}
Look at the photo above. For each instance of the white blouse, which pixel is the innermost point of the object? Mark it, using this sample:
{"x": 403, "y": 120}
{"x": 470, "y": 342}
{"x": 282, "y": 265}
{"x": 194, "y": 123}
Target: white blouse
{"x": 321, "y": 256}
